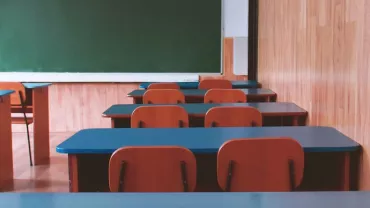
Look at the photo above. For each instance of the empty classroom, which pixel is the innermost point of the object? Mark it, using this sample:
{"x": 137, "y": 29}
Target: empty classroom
{"x": 172, "y": 103}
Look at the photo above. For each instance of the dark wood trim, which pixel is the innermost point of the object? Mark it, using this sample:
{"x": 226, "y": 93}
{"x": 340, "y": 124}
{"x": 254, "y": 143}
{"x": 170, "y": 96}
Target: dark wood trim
{"x": 253, "y": 40}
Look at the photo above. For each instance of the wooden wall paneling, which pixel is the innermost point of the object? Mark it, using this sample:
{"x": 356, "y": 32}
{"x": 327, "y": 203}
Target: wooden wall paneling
{"x": 315, "y": 53}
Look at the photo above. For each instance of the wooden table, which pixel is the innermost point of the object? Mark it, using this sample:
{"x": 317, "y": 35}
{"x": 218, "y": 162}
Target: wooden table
{"x": 194, "y": 85}
{"x": 89, "y": 152}
{"x": 37, "y": 101}
{"x": 197, "y": 95}
{"x": 187, "y": 200}
{"x": 6, "y": 148}
{"x": 121, "y": 114}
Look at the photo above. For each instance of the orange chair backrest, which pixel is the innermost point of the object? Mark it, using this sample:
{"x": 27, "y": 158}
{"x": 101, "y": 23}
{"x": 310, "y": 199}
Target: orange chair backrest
{"x": 152, "y": 169}
{"x": 225, "y": 96}
{"x": 163, "y": 96}
{"x": 164, "y": 85}
{"x": 164, "y": 116}
{"x": 260, "y": 165}
{"x": 233, "y": 116}
{"x": 215, "y": 84}
{"x": 18, "y": 87}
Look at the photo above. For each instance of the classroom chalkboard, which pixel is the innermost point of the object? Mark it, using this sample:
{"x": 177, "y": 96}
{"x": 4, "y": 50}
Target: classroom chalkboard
{"x": 124, "y": 36}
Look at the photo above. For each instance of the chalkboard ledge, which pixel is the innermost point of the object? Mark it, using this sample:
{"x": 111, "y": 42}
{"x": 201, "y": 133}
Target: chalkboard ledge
{"x": 99, "y": 77}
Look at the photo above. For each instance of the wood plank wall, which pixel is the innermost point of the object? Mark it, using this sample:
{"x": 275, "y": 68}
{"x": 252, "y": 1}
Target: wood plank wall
{"x": 75, "y": 106}
{"x": 316, "y": 53}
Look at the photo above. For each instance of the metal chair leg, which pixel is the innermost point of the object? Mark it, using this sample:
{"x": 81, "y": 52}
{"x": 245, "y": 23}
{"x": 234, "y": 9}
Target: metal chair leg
{"x": 29, "y": 145}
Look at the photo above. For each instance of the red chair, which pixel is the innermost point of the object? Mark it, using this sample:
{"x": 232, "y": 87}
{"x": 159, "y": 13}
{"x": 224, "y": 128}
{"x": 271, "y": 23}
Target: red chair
{"x": 215, "y": 84}
{"x": 166, "y": 116}
{"x": 233, "y": 116}
{"x": 152, "y": 169}
{"x": 18, "y": 102}
{"x": 260, "y": 164}
{"x": 164, "y": 85}
{"x": 163, "y": 96}
{"x": 225, "y": 96}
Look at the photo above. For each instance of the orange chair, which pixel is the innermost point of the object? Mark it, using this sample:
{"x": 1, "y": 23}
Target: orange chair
{"x": 260, "y": 165}
{"x": 165, "y": 116}
{"x": 152, "y": 169}
{"x": 233, "y": 116}
{"x": 163, "y": 96}
{"x": 215, "y": 84}
{"x": 164, "y": 85}
{"x": 225, "y": 96}
{"x": 18, "y": 102}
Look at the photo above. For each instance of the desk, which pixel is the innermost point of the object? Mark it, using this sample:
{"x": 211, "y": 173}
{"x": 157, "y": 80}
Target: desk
{"x": 194, "y": 85}
{"x": 197, "y": 95}
{"x": 37, "y": 101}
{"x": 121, "y": 114}
{"x": 89, "y": 151}
{"x": 6, "y": 148}
{"x": 187, "y": 200}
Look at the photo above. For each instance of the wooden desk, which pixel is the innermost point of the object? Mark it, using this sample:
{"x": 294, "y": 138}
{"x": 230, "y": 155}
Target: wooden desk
{"x": 37, "y": 100}
{"x": 187, "y": 200}
{"x": 194, "y": 85}
{"x": 121, "y": 114}
{"x": 89, "y": 152}
{"x": 6, "y": 148}
{"x": 197, "y": 95}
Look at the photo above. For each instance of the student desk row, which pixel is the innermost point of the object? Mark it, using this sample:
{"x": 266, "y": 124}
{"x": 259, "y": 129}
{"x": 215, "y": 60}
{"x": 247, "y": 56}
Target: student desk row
{"x": 6, "y": 151}
{"x": 121, "y": 114}
{"x": 197, "y": 95}
{"x": 194, "y": 85}
{"x": 327, "y": 153}
{"x": 187, "y": 200}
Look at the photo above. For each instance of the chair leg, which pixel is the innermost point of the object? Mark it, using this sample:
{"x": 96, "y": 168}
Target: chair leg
{"x": 29, "y": 145}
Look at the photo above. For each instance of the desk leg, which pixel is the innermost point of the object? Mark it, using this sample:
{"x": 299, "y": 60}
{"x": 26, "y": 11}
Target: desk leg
{"x": 295, "y": 120}
{"x": 73, "y": 173}
{"x": 41, "y": 126}
{"x": 6, "y": 147}
{"x": 346, "y": 172}
{"x": 112, "y": 123}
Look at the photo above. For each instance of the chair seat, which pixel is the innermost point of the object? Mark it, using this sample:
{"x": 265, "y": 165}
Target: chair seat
{"x": 20, "y": 120}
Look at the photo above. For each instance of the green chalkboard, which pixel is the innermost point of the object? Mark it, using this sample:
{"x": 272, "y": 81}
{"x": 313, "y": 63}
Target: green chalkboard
{"x": 110, "y": 36}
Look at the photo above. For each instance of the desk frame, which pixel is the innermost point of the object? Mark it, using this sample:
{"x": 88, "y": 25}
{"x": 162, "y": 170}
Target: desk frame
{"x": 6, "y": 147}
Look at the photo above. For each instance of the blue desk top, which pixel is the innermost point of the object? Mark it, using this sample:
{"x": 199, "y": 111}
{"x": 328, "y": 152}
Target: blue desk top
{"x": 125, "y": 110}
{"x": 187, "y": 200}
{"x": 194, "y": 85}
{"x": 6, "y": 92}
{"x": 35, "y": 85}
{"x": 201, "y": 140}
{"x": 201, "y": 93}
